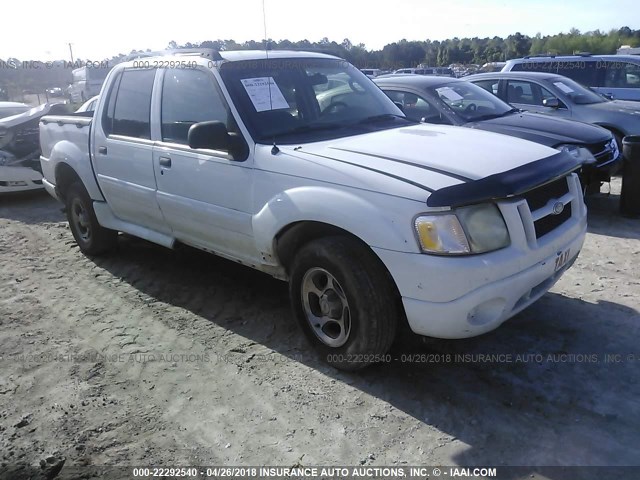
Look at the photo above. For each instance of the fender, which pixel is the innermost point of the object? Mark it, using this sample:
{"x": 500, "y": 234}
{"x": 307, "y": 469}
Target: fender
{"x": 353, "y": 213}
{"x": 69, "y": 153}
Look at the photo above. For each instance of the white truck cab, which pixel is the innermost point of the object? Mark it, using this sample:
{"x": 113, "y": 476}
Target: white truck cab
{"x": 372, "y": 218}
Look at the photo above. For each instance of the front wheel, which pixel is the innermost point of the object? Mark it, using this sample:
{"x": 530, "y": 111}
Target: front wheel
{"x": 344, "y": 301}
{"x": 91, "y": 237}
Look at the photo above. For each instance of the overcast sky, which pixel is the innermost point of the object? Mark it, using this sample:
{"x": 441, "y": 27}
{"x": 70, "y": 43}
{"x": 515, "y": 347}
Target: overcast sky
{"x": 40, "y": 30}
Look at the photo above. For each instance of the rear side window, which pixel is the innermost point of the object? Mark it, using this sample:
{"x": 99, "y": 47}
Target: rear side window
{"x": 587, "y": 72}
{"x": 530, "y": 66}
{"x": 132, "y": 105}
{"x": 622, "y": 75}
{"x": 584, "y": 72}
{"x": 490, "y": 86}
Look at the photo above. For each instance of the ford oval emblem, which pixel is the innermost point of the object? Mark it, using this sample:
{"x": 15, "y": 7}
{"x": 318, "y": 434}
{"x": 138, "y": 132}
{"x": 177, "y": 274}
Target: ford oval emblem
{"x": 558, "y": 207}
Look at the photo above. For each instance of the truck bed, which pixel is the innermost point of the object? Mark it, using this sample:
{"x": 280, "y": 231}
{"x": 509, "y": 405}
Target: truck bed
{"x": 65, "y": 139}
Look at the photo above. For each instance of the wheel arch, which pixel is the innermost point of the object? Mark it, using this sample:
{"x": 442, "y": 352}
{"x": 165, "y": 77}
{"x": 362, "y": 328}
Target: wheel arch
{"x": 65, "y": 176}
{"x": 302, "y": 214}
{"x": 291, "y": 238}
{"x": 69, "y": 161}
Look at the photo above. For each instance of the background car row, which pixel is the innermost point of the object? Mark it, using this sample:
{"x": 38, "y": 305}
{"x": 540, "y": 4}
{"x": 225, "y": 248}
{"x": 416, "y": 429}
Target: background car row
{"x": 451, "y": 101}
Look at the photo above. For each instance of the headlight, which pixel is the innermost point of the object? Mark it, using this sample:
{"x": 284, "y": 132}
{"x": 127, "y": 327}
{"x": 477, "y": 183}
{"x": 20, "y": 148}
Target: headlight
{"x": 580, "y": 153}
{"x": 5, "y": 158}
{"x": 474, "y": 229}
{"x": 614, "y": 148}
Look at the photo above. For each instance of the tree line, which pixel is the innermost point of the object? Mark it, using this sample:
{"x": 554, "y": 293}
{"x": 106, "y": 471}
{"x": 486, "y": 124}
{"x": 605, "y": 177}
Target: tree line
{"x": 36, "y": 76}
{"x": 405, "y": 53}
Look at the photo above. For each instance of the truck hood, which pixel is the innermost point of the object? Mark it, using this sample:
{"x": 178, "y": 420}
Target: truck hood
{"x": 544, "y": 129}
{"x": 432, "y": 158}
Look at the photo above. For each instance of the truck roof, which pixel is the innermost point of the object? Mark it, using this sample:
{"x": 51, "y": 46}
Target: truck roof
{"x": 230, "y": 55}
{"x": 239, "y": 55}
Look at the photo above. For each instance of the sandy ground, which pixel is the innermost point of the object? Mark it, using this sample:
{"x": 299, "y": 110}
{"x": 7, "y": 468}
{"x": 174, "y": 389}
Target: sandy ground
{"x": 161, "y": 358}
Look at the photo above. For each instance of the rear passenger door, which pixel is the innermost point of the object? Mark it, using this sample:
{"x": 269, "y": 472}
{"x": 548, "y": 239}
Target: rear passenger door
{"x": 123, "y": 150}
{"x": 205, "y": 195}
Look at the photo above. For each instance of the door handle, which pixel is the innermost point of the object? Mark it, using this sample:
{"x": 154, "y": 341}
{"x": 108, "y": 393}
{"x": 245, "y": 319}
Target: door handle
{"x": 102, "y": 150}
{"x": 165, "y": 162}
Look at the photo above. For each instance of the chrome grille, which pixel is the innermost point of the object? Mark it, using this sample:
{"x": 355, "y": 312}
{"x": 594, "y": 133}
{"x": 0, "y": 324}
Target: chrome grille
{"x": 541, "y": 200}
{"x": 604, "y": 152}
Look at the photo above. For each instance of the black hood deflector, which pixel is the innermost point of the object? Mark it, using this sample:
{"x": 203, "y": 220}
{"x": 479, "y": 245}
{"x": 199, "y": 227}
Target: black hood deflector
{"x": 506, "y": 184}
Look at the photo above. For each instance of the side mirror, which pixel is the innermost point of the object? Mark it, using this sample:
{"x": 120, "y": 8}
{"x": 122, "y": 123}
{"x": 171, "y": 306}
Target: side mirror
{"x": 212, "y": 135}
{"x": 608, "y": 96}
{"x": 551, "y": 103}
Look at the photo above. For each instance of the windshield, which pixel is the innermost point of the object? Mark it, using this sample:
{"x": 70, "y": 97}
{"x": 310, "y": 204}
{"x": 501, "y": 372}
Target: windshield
{"x": 293, "y": 100}
{"x": 576, "y": 92}
{"x": 469, "y": 102}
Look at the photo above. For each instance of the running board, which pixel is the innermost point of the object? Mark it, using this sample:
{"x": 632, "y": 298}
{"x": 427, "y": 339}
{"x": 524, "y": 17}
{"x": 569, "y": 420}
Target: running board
{"x": 108, "y": 220}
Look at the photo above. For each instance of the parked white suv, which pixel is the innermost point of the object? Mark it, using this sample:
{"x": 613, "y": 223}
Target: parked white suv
{"x": 371, "y": 217}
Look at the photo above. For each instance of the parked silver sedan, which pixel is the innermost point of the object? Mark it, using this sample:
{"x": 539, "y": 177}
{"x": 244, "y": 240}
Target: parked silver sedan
{"x": 560, "y": 96}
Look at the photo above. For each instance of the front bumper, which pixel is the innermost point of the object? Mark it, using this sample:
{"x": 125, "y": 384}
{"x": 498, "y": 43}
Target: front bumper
{"x": 602, "y": 172}
{"x": 465, "y": 296}
{"x": 19, "y": 179}
{"x": 489, "y": 305}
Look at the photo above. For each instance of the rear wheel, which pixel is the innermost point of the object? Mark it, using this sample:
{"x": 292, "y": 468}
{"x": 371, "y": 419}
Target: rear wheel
{"x": 92, "y": 238}
{"x": 344, "y": 301}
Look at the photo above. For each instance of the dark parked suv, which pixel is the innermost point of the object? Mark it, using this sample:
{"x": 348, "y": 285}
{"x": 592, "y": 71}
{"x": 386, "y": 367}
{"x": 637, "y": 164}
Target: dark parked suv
{"x": 616, "y": 76}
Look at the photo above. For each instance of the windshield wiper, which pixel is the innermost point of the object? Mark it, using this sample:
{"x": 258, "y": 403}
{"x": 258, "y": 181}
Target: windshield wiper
{"x": 489, "y": 116}
{"x": 383, "y": 117}
{"x": 304, "y": 129}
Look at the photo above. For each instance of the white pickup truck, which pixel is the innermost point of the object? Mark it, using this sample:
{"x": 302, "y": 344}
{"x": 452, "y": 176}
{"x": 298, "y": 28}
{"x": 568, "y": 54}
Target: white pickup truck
{"x": 297, "y": 165}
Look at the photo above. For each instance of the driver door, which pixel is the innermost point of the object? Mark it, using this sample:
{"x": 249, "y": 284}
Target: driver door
{"x": 205, "y": 195}
{"x": 530, "y": 96}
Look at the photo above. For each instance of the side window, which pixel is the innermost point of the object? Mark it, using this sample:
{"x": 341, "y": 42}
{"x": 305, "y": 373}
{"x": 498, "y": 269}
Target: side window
{"x": 133, "y": 104}
{"x": 191, "y": 96}
{"x": 622, "y": 75}
{"x": 535, "y": 66}
{"x": 520, "y": 92}
{"x": 490, "y": 86}
{"x": 546, "y": 94}
{"x": 584, "y": 72}
{"x": 107, "y": 113}
{"x": 417, "y": 108}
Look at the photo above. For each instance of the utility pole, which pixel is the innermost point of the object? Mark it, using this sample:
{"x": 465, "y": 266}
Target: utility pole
{"x": 71, "y": 52}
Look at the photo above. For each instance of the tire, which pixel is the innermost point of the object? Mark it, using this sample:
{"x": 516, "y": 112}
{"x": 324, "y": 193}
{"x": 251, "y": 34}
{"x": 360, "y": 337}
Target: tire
{"x": 344, "y": 301}
{"x": 92, "y": 238}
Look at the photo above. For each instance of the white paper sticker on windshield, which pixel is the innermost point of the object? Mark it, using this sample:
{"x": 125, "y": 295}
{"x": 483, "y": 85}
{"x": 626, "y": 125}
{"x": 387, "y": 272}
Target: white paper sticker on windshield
{"x": 264, "y": 93}
{"x": 563, "y": 87}
{"x": 449, "y": 93}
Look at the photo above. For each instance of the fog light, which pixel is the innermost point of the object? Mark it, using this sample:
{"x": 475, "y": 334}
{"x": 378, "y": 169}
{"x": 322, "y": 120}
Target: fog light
{"x": 486, "y": 312}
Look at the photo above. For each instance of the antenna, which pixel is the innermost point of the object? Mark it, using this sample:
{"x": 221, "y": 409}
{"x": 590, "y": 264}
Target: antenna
{"x": 274, "y": 150}
{"x": 264, "y": 23}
